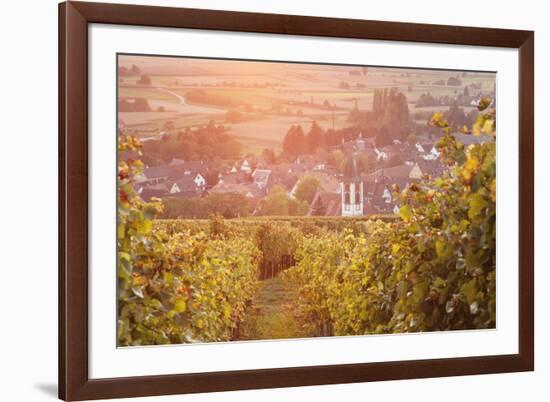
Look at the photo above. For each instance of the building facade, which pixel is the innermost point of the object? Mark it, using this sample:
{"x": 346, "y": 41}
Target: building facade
{"x": 351, "y": 189}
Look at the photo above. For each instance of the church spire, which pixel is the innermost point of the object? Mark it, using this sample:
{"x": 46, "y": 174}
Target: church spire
{"x": 350, "y": 170}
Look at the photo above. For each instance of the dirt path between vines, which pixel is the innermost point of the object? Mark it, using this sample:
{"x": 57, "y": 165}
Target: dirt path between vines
{"x": 271, "y": 313}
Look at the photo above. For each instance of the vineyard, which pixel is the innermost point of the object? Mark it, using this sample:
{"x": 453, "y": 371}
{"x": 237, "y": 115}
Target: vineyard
{"x": 431, "y": 268}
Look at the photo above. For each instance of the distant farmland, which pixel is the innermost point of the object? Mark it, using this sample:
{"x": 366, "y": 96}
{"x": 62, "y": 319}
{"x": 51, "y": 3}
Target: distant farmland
{"x": 272, "y": 98}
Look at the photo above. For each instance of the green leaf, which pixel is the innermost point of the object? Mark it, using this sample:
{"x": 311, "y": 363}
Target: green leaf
{"x": 405, "y": 213}
{"x": 168, "y": 278}
{"x": 439, "y": 282}
{"x": 144, "y": 227}
{"x": 477, "y": 204}
{"x": 442, "y": 248}
{"x": 121, "y": 231}
{"x": 469, "y": 290}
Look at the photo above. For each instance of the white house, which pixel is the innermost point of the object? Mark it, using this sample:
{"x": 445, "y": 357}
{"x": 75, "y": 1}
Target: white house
{"x": 245, "y": 167}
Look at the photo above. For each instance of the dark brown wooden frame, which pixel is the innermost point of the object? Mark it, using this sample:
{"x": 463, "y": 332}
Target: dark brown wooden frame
{"x": 74, "y": 17}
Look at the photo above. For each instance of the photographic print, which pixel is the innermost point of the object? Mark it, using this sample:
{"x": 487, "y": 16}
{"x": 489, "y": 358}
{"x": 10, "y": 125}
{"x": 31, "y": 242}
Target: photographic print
{"x": 274, "y": 200}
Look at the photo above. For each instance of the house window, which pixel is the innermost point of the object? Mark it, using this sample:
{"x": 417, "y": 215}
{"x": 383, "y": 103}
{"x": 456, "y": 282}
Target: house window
{"x": 358, "y": 197}
{"x": 347, "y": 197}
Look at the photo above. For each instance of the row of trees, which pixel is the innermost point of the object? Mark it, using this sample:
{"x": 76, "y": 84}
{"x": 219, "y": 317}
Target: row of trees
{"x": 233, "y": 205}
{"x": 227, "y": 205}
{"x": 389, "y": 118}
{"x": 133, "y": 105}
{"x": 202, "y": 96}
{"x": 451, "y": 81}
{"x": 429, "y": 100}
{"x": 296, "y": 142}
{"x": 203, "y": 143}
{"x": 132, "y": 71}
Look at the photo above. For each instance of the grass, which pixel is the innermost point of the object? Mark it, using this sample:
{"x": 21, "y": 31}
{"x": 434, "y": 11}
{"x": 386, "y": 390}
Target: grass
{"x": 271, "y": 314}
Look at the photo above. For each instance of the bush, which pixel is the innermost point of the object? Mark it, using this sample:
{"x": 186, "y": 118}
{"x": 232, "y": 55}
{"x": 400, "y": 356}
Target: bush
{"x": 276, "y": 241}
{"x": 454, "y": 81}
{"x": 144, "y": 80}
{"x": 134, "y": 105}
{"x": 234, "y": 116}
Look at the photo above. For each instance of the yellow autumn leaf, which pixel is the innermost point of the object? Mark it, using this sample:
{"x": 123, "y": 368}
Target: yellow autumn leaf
{"x": 405, "y": 213}
{"x": 180, "y": 305}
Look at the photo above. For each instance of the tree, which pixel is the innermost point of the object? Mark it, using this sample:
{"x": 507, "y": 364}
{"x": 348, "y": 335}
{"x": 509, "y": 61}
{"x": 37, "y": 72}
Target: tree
{"x": 169, "y": 125}
{"x": 205, "y": 143}
{"x": 294, "y": 143}
{"x": 377, "y": 106}
{"x": 394, "y": 160}
{"x": 318, "y": 208}
{"x": 306, "y": 188}
{"x": 426, "y": 99}
{"x": 390, "y": 110}
{"x": 412, "y": 139}
{"x": 212, "y": 177}
{"x": 396, "y": 114}
{"x": 454, "y": 81}
{"x": 335, "y": 157}
{"x": 364, "y": 163}
{"x": 144, "y": 80}
{"x": 297, "y": 207}
{"x": 383, "y": 137}
{"x": 234, "y": 116}
{"x": 134, "y": 105}
{"x": 269, "y": 156}
{"x": 315, "y": 138}
{"x": 135, "y": 70}
{"x": 457, "y": 118}
{"x": 278, "y": 203}
{"x": 125, "y": 71}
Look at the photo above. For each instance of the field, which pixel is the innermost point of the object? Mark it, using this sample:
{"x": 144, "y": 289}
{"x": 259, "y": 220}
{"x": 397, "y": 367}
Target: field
{"x": 270, "y": 96}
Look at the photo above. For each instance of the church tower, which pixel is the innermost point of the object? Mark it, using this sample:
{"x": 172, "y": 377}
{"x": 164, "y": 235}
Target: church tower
{"x": 351, "y": 189}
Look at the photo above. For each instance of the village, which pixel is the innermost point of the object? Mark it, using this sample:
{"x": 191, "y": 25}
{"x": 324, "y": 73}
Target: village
{"x": 343, "y": 190}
